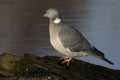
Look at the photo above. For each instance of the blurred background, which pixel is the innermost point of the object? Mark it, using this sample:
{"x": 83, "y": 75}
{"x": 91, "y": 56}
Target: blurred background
{"x": 23, "y": 29}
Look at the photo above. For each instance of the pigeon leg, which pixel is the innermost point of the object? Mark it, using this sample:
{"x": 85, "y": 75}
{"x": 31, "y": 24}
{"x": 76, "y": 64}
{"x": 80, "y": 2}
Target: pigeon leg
{"x": 66, "y": 59}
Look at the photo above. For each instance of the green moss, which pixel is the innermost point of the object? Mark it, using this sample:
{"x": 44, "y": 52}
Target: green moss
{"x": 31, "y": 66}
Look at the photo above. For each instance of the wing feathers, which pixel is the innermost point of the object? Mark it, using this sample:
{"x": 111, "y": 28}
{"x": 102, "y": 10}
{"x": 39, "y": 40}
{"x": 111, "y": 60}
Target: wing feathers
{"x": 71, "y": 38}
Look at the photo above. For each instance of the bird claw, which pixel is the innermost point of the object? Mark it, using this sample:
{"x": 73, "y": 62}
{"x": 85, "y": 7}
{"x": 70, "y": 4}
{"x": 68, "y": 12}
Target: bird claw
{"x": 66, "y": 59}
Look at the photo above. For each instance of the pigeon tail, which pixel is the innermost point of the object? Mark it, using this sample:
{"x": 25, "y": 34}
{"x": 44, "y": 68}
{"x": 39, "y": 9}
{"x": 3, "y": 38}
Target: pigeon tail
{"x": 104, "y": 59}
{"x": 100, "y": 55}
{"x": 108, "y": 61}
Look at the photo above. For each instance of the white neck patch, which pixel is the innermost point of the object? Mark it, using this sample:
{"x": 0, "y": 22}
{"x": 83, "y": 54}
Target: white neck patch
{"x": 57, "y": 20}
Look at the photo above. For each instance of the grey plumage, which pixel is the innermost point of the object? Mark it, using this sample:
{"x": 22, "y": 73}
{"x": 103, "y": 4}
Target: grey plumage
{"x": 72, "y": 39}
{"x": 68, "y": 40}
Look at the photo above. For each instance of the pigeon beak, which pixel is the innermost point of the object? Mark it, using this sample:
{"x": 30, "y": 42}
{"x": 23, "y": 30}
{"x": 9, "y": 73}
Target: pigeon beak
{"x": 45, "y": 15}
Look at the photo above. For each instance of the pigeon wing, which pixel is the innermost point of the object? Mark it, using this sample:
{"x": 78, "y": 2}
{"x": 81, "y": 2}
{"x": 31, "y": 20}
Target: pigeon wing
{"x": 72, "y": 39}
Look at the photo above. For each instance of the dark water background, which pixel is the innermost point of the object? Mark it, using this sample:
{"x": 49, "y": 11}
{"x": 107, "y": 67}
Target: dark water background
{"x": 23, "y": 29}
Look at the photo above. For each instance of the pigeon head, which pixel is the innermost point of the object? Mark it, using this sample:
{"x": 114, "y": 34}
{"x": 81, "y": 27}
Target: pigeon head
{"x": 52, "y": 14}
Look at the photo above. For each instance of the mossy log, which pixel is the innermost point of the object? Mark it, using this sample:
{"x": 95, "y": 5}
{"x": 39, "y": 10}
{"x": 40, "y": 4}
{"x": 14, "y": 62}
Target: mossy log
{"x": 30, "y": 67}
